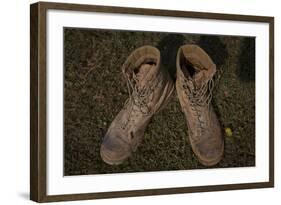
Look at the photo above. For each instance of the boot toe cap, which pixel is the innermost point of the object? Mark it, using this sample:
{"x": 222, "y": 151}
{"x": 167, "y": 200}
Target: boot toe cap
{"x": 114, "y": 150}
{"x": 209, "y": 155}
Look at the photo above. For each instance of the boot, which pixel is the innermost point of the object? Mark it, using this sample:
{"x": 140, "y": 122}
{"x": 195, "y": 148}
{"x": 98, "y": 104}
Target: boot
{"x": 149, "y": 89}
{"x": 194, "y": 85}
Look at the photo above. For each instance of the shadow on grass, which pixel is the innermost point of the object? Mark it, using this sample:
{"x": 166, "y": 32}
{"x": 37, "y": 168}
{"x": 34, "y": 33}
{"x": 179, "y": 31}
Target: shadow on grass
{"x": 215, "y": 48}
{"x": 246, "y": 61}
{"x": 168, "y": 47}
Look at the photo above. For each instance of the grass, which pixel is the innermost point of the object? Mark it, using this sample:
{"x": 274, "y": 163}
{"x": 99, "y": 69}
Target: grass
{"x": 95, "y": 91}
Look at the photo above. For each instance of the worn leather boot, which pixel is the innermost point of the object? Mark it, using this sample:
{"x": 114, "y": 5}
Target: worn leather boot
{"x": 194, "y": 85}
{"x": 149, "y": 89}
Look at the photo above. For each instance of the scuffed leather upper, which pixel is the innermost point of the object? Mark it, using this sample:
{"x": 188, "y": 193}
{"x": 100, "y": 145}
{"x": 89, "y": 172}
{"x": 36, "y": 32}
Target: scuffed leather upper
{"x": 194, "y": 93}
{"x": 150, "y": 94}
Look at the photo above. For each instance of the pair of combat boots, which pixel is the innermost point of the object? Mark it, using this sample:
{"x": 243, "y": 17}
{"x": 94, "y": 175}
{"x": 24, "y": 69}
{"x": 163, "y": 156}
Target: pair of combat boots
{"x": 150, "y": 88}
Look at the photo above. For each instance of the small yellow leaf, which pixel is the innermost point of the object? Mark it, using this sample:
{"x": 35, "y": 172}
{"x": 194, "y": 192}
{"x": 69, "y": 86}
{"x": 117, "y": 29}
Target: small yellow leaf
{"x": 228, "y": 132}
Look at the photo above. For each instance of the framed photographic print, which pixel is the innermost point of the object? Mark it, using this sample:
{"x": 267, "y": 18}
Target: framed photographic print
{"x": 134, "y": 102}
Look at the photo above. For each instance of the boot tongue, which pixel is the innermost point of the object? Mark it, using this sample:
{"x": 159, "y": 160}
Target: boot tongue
{"x": 199, "y": 74}
{"x": 204, "y": 76}
{"x": 200, "y": 78}
{"x": 200, "y": 67}
{"x": 142, "y": 74}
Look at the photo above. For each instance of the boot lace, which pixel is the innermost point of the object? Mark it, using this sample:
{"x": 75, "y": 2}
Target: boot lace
{"x": 200, "y": 98}
{"x": 137, "y": 101}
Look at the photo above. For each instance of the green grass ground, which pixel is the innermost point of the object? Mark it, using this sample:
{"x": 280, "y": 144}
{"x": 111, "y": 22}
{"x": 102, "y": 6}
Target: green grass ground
{"x": 95, "y": 91}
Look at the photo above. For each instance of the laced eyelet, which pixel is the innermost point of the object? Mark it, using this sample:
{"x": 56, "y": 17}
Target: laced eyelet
{"x": 138, "y": 99}
{"x": 200, "y": 97}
